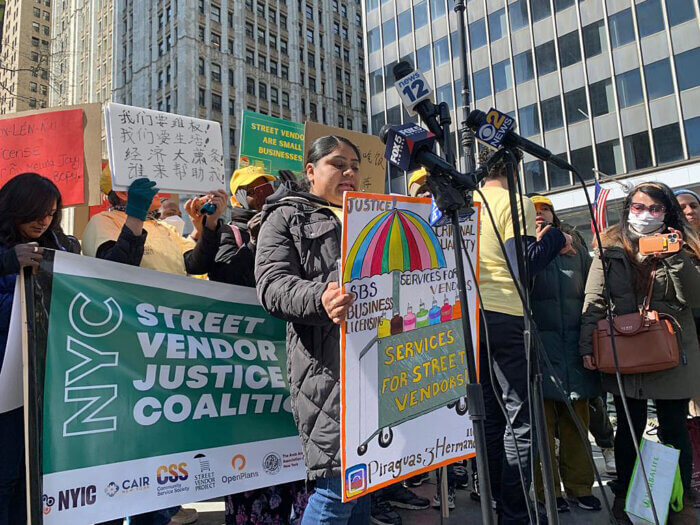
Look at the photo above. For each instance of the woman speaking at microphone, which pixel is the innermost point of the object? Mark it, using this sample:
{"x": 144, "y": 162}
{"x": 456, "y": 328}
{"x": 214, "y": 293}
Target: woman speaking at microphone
{"x": 674, "y": 281}
{"x": 297, "y": 280}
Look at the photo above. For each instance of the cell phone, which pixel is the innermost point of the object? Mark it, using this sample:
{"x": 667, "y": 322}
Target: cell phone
{"x": 659, "y": 243}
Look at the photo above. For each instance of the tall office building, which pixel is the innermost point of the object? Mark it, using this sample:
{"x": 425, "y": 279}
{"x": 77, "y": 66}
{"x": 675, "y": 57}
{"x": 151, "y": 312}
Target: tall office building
{"x": 83, "y": 31}
{"x": 25, "y": 57}
{"x": 609, "y": 85}
{"x": 299, "y": 60}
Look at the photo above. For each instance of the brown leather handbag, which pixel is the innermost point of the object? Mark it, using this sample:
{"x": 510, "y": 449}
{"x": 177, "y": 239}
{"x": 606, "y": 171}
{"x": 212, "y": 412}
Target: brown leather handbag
{"x": 645, "y": 340}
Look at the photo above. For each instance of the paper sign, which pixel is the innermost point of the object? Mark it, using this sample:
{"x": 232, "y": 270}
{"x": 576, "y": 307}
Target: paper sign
{"x": 403, "y": 353}
{"x": 11, "y": 371}
{"x": 271, "y": 142}
{"x": 50, "y": 144}
{"x": 181, "y": 154}
{"x": 372, "y": 163}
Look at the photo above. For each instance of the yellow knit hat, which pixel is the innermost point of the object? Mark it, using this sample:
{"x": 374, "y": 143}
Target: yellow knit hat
{"x": 242, "y": 177}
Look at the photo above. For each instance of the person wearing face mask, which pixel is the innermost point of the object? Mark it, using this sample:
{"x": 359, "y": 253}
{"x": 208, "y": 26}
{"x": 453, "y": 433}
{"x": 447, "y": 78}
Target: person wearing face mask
{"x": 170, "y": 213}
{"x": 649, "y": 208}
{"x": 297, "y": 281}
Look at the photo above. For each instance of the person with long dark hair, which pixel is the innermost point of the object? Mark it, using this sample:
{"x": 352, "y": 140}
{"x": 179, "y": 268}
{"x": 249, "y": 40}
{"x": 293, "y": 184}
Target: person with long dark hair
{"x": 650, "y": 208}
{"x": 30, "y": 221}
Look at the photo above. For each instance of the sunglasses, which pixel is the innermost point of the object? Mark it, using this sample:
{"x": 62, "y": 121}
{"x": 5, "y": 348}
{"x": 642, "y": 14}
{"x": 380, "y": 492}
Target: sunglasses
{"x": 656, "y": 210}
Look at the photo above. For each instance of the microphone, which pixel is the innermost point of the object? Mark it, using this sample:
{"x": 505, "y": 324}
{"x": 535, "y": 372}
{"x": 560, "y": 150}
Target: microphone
{"x": 416, "y": 95}
{"x": 496, "y": 129}
{"x": 408, "y": 147}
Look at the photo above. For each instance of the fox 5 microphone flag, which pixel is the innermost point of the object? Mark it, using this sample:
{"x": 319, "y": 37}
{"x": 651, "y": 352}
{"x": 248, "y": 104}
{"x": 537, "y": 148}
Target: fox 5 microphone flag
{"x": 601, "y": 199}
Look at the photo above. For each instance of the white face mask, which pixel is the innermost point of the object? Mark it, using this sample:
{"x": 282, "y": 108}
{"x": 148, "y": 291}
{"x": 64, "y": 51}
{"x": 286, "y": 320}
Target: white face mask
{"x": 177, "y": 222}
{"x": 644, "y": 223}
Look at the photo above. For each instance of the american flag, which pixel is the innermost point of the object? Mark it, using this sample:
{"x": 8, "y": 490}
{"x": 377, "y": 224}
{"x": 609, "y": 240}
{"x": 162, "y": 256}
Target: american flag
{"x": 601, "y": 198}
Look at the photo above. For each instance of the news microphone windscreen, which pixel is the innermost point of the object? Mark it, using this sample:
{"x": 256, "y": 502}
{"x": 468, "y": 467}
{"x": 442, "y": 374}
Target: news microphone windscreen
{"x": 403, "y": 144}
{"x": 384, "y": 132}
{"x": 475, "y": 119}
{"x": 402, "y": 69}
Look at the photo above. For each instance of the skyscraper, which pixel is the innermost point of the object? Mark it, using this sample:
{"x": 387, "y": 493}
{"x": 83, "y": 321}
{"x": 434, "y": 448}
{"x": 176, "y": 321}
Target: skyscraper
{"x": 298, "y": 60}
{"x": 611, "y": 86}
{"x": 25, "y": 56}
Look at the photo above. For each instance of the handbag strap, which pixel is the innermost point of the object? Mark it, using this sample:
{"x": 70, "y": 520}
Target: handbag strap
{"x": 647, "y": 299}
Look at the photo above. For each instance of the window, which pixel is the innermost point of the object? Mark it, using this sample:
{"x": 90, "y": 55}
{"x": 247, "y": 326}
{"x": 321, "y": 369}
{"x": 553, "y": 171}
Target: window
{"x": 560, "y": 5}
{"x": 309, "y": 12}
{"x": 442, "y": 52}
{"x": 546, "y": 58}
{"x": 609, "y": 157}
{"x": 637, "y": 151}
{"x": 667, "y": 143}
{"x": 404, "y": 23}
{"x": 273, "y": 67}
{"x": 437, "y": 9}
{"x": 650, "y": 18}
{"x": 339, "y": 96}
{"x": 389, "y": 31}
{"x": 629, "y": 88}
{"x": 557, "y": 176}
{"x": 373, "y": 42}
{"x": 621, "y": 28}
{"x": 249, "y": 57}
{"x": 575, "y": 105}
{"x": 680, "y": 11}
{"x": 216, "y": 13}
{"x": 522, "y": 64}
{"x": 274, "y": 95}
{"x": 310, "y": 36}
{"x": 687, "y": 68}
{"x": 216, "y": 102}
{"x": 534, "y": 176}
{"x": 230, "y": 46}
{"x": 582, "y": 158}
{"x": 285, "y": 100}
{"x": 262, "y": 90}
{"x": 551, "y": 113}
{"x": 283, "y": 46}
{"x": 202, "y": 97}
{"x": 33, "y": 87}
{"x": 261, "y": 61}
{"x": 261, "y": 36}
{"x": 216, "y": 72}
{"x": 250, "y": 86}
{"x": 658, "y": 79}
{"x": 692, "y": 136}
{"x": 569, "y": 49}
{"x": 420, "y": 14}
{"x": 601, "y": 94}
{"x": 249, "y": 30}
{"x": 35, "y": 25}
{"x": 502, "y": 78}
{"x": 201, "y": 6}
{"x": 201, "y": 34}
{"x": 518, "y": 15}
{"x": 216, "y": 40}
{"x": 311, "y": 59}
{"x": 231, "y": 108}
{"x": 313, "y": 111}
{"x": 482, "y": 84}
{"x": 477, "y": 33}
{"x": 284, "y": 71}
{"x": 497, "y": 25}
{"x": 594, "y": 39}
{"x": 540, "y": 9}
{"x": 444, "y": 94}
{"x": 201, "y": 66}
{"x": 423, "y": 59}
{"x": 529, "y": 121}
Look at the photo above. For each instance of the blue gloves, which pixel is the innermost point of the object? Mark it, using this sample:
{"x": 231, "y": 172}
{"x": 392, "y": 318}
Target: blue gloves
{"x": 139, "y": 198}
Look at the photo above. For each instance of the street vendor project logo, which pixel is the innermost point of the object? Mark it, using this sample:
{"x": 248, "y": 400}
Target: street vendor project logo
{"x": 272, "y": 463}
{"x": 206, "y": 479}
{"x": 356, "y": 480}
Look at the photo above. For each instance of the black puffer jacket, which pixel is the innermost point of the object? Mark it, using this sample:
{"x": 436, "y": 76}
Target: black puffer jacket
{"x": 235, "y": 264}
{"x": 296, "y": 257}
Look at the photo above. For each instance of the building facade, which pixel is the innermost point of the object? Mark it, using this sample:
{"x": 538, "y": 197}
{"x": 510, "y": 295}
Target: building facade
{"x": 298, "y": 60}
{"x": 83, "y": 32}
{"x": 25, "y": 56}
{"x": 613, "y": 86}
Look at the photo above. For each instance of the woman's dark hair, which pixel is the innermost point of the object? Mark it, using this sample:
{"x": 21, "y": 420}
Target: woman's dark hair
{"x": 323, "y": 146}
{"x": 26, "y": 198}
{"x": 674, "y": 218}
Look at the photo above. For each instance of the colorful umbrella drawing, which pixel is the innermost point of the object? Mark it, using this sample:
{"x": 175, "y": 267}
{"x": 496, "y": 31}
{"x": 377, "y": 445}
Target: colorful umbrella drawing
{"x": 394, "y": 241}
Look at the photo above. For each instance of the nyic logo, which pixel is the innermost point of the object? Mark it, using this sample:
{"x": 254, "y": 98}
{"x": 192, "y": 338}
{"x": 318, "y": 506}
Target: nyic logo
{"x": 77, "y": 497}
{"x": 48, "y": 502}
{"x": 356, "y": 480}
{"x": 272, "y": 463}
{"x": 172, "y": 473}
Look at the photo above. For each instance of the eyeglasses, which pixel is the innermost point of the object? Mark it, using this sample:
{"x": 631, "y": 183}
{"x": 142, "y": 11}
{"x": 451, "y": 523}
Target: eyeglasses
{"x": 656, "y": 210}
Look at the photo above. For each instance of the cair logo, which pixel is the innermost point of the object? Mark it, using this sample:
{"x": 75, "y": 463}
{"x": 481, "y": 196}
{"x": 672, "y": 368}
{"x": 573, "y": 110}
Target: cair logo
{"x": 172, "y": 473}
{"x": 48, "y": 502}
{"x": 71, "y": 498}
{"x": 356, "y": 480}
{"x": 112, "y": 489}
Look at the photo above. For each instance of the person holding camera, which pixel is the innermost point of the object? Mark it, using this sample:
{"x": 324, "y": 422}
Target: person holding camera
{"x": 669, "y": 284}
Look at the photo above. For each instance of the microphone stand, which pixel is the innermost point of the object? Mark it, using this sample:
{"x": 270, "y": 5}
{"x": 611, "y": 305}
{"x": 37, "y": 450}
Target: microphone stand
{"x": 538, "y": 425}
{"x": 466, "y": 136}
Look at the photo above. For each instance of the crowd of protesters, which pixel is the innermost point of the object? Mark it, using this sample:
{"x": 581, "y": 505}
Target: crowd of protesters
{"x": 284, "y": 239}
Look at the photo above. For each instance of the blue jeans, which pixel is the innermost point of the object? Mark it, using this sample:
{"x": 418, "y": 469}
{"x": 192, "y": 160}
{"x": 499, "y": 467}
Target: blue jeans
{"x": 326, "y": 506}
{"x": 13, "y": 505}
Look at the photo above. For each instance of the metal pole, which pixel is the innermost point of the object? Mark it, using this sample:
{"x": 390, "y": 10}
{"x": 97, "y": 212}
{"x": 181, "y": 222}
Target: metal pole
{"x": 466, "y": 136}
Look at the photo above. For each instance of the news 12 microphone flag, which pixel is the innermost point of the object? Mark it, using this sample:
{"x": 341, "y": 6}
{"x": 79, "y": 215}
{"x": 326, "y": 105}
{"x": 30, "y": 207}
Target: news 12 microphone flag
{"x": 159, "y": 390}
{"x": 403, "y": 355}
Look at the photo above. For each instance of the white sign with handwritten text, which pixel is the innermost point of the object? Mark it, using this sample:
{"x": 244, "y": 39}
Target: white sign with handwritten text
{"x": 181, "y": 154}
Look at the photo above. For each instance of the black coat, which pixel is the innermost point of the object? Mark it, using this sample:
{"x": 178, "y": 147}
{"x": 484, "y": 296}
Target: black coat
{"x": 234, "y": 263}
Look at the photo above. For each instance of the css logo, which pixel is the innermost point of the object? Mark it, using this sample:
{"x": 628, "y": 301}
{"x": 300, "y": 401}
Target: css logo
{"x": 172, "y": 473}
{"x": 356, "y": 480}
{"x": 238, "y": 462}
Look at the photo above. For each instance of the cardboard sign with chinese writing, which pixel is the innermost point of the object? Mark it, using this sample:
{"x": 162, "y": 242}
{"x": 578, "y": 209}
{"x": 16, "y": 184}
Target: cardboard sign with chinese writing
{"x": 50, "y": 144}
{"x": 181, "y": 154}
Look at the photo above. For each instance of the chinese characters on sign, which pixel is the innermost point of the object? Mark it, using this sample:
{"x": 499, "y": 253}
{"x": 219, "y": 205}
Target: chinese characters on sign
{"x": 181, "y": 154}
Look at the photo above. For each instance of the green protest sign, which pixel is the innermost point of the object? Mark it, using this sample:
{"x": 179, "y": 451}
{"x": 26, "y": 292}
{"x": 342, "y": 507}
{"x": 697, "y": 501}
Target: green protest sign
{"x": 271, "y": 142}
{"x": 158, "y": 390}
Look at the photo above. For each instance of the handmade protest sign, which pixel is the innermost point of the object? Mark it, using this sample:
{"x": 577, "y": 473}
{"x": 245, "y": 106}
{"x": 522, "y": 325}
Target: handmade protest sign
{"x": 158, "y": 390}
{"x": 181, "y": 154}
{"x": 50, "y": 144}
{"x": 270, "y": 142}
{"x": 372, "y": 163}
{"x": 403, "y": 354}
